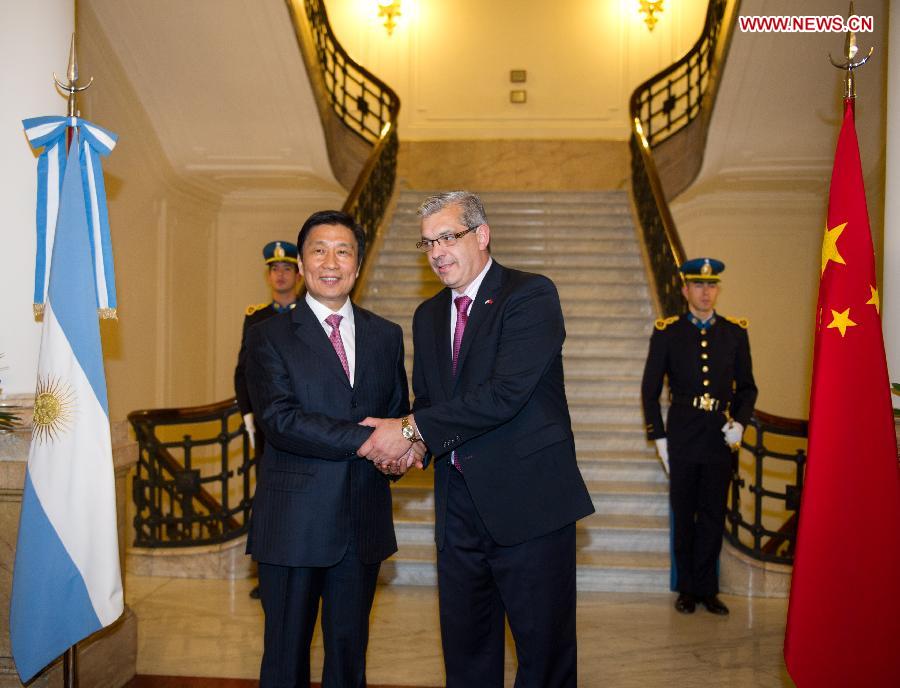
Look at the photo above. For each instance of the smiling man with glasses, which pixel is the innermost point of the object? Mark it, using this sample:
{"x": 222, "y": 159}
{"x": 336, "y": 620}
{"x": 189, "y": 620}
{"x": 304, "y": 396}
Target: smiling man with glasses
{"x": 490, "y": 405}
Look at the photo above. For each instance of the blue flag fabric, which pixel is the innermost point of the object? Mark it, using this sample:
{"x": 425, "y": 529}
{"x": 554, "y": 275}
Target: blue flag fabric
{"x": 66, "y": 581}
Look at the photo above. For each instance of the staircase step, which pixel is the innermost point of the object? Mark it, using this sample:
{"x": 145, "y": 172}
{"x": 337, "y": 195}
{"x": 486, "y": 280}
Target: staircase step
{"x": 568, "y": 293}
{"x": 528, "y": 262}
{"x": 596, "y": 572}
{"x": 419, "y": 277}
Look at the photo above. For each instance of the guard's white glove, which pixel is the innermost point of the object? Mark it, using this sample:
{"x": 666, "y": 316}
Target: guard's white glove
{"x": 734, "y": 433}
{"x": 662, "y": 448}
{"x": 251, "y": 429}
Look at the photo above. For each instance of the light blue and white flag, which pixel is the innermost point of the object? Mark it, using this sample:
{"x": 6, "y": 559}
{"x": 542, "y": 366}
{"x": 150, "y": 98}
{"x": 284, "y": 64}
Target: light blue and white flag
{"x": 66, "y": 581}
{"x": 48, "y": 134}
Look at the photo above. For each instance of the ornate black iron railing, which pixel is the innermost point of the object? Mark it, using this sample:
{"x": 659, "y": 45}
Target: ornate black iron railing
{"x": 778, "y": 451}
{"x": 363, "y": 101}
{"x": 660, "y": 237}
{"x": 195, "y": 475}
{"x": 670, "y": 100}
{"x": 369, "y": 198}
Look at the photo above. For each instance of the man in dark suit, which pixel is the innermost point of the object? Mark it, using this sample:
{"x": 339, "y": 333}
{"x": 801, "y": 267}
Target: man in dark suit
{"x": 283, "y": 277}
{"x": 321, "y": 522}
{"x": 707, "y": 360}
{"x": 490, "y": 405}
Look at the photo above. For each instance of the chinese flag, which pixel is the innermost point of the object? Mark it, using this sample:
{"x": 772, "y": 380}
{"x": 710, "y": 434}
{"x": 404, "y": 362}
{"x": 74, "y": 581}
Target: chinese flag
{"x": 843, "y": 625}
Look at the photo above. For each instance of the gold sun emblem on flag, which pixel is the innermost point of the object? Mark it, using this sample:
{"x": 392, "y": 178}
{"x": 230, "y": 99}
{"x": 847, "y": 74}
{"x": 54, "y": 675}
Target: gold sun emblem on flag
{"x": 54, "y": 406}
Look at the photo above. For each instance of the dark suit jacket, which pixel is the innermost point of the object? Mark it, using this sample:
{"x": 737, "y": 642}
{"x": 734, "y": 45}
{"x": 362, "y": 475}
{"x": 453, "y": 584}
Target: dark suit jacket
{"x": 505, "y": 412}
{"x": 314, "y": 493}
{"x": 677, "y": 351}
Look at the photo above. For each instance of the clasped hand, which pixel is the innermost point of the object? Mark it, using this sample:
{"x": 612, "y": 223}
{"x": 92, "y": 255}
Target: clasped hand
{"x": 388, "y": 449}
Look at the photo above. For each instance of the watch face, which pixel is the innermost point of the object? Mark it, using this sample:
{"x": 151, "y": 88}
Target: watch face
{"x": 407, "y": 431}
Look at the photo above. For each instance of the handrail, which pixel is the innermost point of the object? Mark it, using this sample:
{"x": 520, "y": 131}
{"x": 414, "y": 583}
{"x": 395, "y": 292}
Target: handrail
{"x": 664, "y": 109}
{"x": 347, "y": 81}
{"x": 174, "y": 504}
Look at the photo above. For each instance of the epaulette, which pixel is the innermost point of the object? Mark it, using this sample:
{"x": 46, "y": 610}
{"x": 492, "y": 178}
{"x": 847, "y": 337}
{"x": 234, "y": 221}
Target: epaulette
{"x": 740, "y": 322}
{"x": 251, "y": 309}
{"x": 663, "y": 323}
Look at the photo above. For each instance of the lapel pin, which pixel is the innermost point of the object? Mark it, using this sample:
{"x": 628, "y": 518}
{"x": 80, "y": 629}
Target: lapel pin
{"x": 489, "y": 302}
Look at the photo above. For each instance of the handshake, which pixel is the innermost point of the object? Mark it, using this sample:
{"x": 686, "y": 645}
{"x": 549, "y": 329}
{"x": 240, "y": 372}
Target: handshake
{"x": 388, "y": 448}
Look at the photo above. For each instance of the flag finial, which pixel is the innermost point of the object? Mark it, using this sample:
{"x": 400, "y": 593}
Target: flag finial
{"x": 72, "y": 75}
{"x": 850, "y": 51}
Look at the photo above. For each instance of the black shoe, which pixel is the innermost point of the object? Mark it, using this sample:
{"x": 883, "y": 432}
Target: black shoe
{"x": 685, "y": 603}
{"x": 255, "y": 593}
{"x": 714, "y": 605}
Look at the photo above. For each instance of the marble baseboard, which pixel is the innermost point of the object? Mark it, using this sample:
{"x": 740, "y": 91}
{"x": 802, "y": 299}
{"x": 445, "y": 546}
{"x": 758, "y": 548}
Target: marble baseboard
{"x": 226, "y": 561}
{"x": 740, "y": 574}
{"x": 108, "y": 659}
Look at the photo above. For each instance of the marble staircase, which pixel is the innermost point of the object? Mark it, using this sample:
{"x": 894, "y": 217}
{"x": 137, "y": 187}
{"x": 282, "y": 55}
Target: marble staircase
{"x": 586, "y": 243}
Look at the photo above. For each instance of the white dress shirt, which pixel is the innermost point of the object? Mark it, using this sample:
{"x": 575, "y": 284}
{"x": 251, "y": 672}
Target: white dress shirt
{"x": 347, "y": 328}
{"x": 471, "y": 291}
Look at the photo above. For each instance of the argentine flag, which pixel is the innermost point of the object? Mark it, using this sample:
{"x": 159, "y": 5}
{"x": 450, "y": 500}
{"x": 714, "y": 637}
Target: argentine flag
{"x": 66, "y": 580}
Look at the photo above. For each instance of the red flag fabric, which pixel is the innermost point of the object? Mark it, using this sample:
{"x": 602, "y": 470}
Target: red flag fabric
{"x": 843, "y": 625}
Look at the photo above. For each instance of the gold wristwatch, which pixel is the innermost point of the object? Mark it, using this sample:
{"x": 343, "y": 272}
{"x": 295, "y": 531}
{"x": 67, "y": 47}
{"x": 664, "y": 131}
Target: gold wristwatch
{"x": 408, "y": 431}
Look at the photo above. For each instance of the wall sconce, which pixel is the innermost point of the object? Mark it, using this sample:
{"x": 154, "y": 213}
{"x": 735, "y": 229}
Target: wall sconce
{"x": 389, "y": 9}
{"x": 651, "y": 8}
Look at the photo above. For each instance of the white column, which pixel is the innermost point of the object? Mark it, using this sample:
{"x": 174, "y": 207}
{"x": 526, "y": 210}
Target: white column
{"x": 890, "y": 290}
{"x": 34, "y": 43}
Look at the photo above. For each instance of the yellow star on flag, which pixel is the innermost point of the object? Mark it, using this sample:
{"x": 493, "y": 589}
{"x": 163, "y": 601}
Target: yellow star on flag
{"x": 829, "y": 246}
{"x": 841, "y": 321}
{"x": 874, "y": 301}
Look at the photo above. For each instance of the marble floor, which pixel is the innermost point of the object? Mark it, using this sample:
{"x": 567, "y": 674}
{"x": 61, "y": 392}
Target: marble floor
{"x": 212, "y": 628}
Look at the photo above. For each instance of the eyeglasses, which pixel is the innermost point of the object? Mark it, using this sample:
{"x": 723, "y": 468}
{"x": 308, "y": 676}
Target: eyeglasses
{"x": 443, "y": 240}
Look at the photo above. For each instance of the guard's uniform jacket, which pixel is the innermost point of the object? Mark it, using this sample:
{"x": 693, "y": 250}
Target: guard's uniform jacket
{"x": 710, "y": 379}
{"x": 253, "y": 315}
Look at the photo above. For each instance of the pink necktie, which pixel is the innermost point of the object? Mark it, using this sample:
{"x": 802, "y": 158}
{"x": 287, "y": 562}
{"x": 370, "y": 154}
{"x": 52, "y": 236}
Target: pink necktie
{"x": 462, "y": 317}
{"x": 335, "y": 321}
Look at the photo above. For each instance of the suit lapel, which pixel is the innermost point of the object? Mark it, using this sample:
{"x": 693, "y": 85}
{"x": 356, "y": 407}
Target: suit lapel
{"x": 442, "y": 354}
{"x": 481, "y": 308}
{"x": 362, "y": 323}
{"x": 310, "y": 331}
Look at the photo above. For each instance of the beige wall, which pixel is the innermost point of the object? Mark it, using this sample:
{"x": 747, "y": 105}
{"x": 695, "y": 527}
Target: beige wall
{"x": 160, "y": 229}
{"x": 450, "y": 61}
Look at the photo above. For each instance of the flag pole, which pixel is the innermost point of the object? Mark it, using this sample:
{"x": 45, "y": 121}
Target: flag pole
{"x": 850, "y": 51}
{"x": 70, "y": 667}
{"x": 70, "y": 657}
{"x": 71, "y": 87}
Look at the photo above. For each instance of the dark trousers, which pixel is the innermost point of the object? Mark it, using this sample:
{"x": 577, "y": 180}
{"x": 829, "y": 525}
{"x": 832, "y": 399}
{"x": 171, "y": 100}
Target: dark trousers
{"x": 480, "y": 582}
{"x": 290, "y": 598}
{"x": 698, "y": 493}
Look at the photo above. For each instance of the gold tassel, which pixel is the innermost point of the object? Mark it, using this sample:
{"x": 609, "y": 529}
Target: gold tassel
{"x": 107, "y": 314}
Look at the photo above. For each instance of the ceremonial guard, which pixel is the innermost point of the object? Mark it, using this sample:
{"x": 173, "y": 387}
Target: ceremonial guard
{"x": 283, "y": 276}
{"x": 706, "y": 358}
